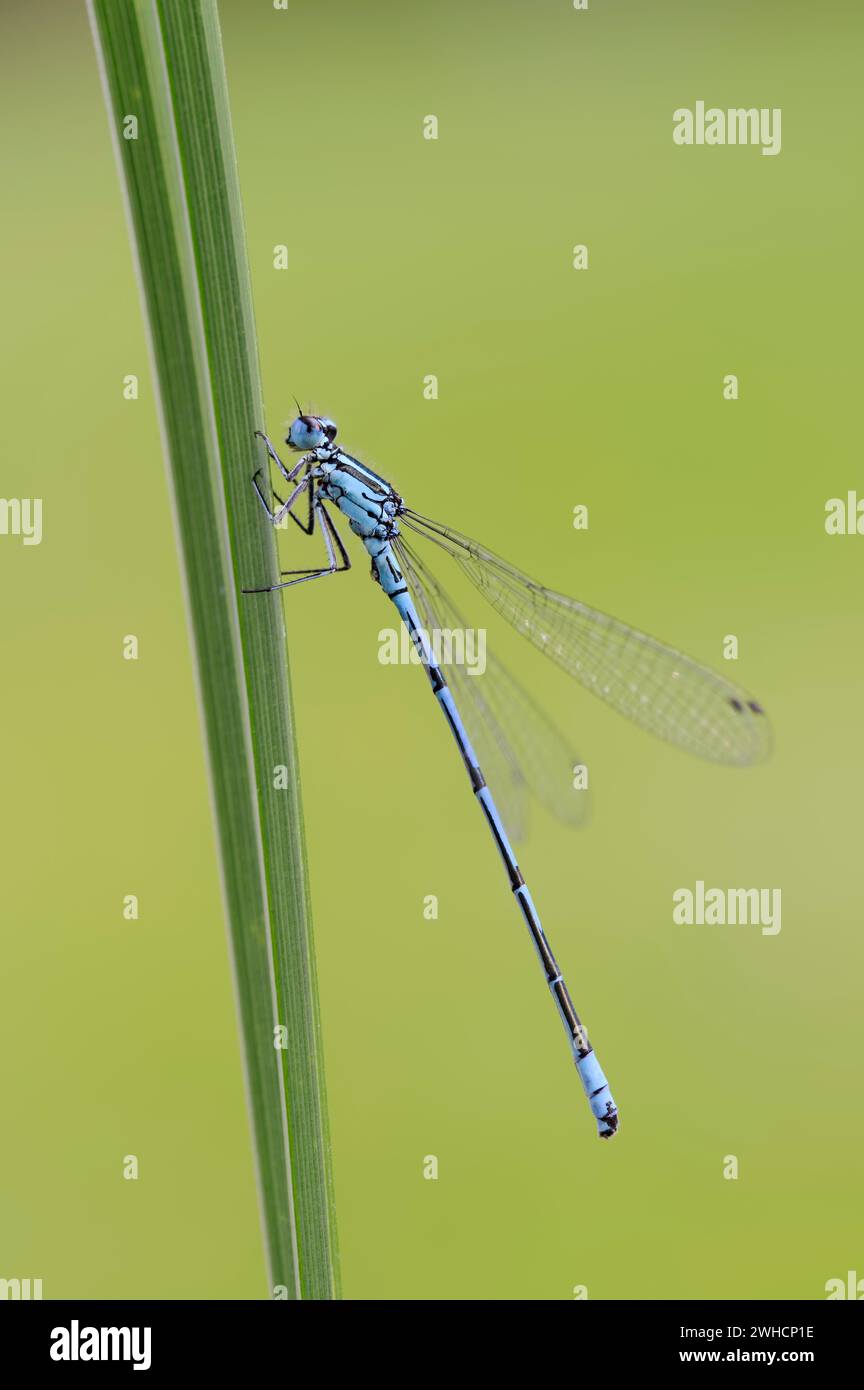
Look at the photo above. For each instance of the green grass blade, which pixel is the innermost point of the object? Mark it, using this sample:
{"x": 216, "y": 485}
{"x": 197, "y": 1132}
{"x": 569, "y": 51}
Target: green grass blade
{"x": 162, "y": 64}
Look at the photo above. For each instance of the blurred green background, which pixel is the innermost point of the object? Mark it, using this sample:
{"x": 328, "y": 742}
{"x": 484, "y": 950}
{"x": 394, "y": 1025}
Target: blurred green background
{"x": 452, "y": 257}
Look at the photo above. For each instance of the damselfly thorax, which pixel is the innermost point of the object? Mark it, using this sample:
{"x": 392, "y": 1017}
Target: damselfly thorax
{"x": 369, "y": 502}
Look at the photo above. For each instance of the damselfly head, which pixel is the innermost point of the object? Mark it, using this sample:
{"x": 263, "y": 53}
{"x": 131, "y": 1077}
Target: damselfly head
{"x": 310, "y": 432}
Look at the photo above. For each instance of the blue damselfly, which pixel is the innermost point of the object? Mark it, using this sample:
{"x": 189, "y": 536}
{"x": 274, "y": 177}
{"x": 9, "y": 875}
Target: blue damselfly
{"x": 657, "y": 687}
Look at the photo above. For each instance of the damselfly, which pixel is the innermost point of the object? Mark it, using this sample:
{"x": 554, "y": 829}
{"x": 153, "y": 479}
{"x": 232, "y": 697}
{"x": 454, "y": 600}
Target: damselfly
{"x": 657, "y": 687}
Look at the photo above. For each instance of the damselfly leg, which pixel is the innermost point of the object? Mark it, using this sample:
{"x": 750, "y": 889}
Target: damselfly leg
{"x": 332, "y": 540}
{"x": 288, "y": 476}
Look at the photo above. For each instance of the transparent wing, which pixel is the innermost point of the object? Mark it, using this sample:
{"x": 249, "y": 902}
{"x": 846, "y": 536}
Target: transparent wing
{"x": 656, "y": 686}
{"x": 497, "y": 760}
{"x": 518, "y": 747}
